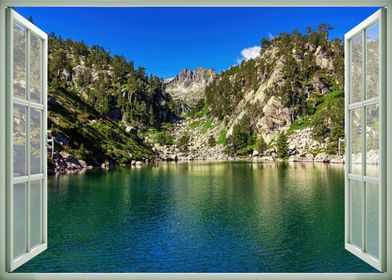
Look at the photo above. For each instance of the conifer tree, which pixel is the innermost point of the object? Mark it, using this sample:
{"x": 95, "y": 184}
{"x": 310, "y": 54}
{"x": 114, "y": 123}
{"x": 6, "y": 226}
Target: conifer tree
{"x": 282, "y": 147}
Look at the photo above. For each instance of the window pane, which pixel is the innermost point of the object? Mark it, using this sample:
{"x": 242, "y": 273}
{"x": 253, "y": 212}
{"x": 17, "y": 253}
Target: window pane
{"x": 19, "y": 63}
{"x": 19, "y": 140}
{"x": 356, "y": 68}
{"x": 372, "y": 61}
{"x": 356, "y": 141}
{"x": 36, "y": 157}
{"x": 35, "y": 213}
{"x": 19, "y": 219}
{"x": 372, "y": 140}
{"x": 35, "y": 69}
{"x": 356, "y": 189}
{"x": 372, "y": 225}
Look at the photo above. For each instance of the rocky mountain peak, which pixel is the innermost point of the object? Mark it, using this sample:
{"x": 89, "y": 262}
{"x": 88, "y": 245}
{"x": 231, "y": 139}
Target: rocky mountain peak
{"x": 188, "y": 86}
{"x": 187, "y": 78}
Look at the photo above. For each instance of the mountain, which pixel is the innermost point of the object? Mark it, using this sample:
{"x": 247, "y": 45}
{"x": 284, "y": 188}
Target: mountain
{"x": 188, "y": 86}
{"x": 286, "y": 103}
{"x": 99, "y": 106}
{"x": 293, "y": 90}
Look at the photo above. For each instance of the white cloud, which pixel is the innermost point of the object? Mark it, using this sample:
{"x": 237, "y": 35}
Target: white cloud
{"x": 249, "y": 53}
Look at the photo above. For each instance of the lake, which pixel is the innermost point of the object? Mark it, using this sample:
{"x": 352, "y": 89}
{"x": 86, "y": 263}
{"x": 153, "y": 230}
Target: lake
{"x": 198, "y": 217}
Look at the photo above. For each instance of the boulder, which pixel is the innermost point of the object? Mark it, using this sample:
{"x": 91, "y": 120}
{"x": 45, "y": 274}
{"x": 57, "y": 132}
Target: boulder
{"x": 60, "y": 139}
{"x": 323, "y": 157}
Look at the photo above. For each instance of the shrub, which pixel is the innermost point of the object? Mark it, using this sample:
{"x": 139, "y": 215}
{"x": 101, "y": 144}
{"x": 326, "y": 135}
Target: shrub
{"x": 183, "y": 142}
{"x": 211, "y": 141}
{"x": 164, "y": 138}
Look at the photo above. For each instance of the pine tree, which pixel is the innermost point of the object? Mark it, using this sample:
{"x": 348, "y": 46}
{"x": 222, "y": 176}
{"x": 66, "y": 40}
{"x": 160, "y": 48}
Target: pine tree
{"x": 262, "y": 145}
{"x": 282, "y": 147}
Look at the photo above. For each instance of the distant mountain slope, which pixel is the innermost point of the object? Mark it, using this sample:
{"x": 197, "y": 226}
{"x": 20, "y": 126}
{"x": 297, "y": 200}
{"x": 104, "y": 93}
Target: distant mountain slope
{"x": 286, "y": 103}
{"x": 293, "y": 89}
{"x": 98, "y": 104}
{"x": 188, "y": 87}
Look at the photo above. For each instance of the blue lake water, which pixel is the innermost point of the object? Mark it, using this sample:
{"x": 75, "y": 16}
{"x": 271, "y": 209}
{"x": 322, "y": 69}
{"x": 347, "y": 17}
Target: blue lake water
{"x": 198, "y": 217}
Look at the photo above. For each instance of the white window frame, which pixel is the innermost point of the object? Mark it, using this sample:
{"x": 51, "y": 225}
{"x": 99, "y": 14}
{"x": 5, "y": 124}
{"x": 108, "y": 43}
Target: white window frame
{"x": 31, "y": 30}
{"x": 192, "y": 3}
{"x": 377, "y": 17}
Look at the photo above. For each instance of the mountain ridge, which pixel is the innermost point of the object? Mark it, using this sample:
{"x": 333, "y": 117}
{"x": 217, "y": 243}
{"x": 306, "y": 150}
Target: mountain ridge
{"x": 280, "y": 100}
{"x": 187, "y": 87}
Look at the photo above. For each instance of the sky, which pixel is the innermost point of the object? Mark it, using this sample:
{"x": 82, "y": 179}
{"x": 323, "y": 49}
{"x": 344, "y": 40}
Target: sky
{"x": 167, "y": 40}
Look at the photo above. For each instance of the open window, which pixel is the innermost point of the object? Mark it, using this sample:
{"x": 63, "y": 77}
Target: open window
{"x": 365, "y": 191}
{"x": 365, "y": 111}
{"x": 26, "y": 140}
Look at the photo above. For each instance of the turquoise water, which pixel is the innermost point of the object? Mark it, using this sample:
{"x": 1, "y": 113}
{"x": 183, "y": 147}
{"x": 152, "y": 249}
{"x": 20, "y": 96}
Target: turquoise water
{"x": 198, "y": 217}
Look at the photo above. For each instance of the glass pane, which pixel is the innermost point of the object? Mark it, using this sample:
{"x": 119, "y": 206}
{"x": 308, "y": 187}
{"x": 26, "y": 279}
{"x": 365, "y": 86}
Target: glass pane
{"x": 19, "y": 63}
{"x": 356, "y": 68}
{"x": 35, "y": 156}
{"x": 35, "y": 213}
{"x": 372, "y": 61}
{"x": 19, "y": 140}
{"x": 35, "y": 69}
{"x": 372, "y": 140}
{"x": 356, "y": 140}
{"x": 19, "y": 219}
{"x": 372, "y": 225}
{"x": 356, "y": 189}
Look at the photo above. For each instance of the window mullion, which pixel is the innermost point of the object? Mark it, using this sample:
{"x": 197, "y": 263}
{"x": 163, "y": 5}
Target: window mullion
{"x": 364, "y": 140}
{"x": 28, "y": 143}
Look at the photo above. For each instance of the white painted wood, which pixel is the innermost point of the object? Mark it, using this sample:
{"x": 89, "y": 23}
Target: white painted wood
{"x": 379, "y": 263}
{"x": 13, "y": 263}
{"x": 387, "y": 169}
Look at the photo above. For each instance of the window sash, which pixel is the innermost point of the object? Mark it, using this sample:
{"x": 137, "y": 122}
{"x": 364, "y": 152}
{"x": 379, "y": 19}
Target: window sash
{"x": 31, "y": 250}
{"x": 142, "y": 3}
{"x": 362, "y": 178}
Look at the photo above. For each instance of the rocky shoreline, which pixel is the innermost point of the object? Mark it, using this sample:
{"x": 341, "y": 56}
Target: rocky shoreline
{"x": 65, "y": 164}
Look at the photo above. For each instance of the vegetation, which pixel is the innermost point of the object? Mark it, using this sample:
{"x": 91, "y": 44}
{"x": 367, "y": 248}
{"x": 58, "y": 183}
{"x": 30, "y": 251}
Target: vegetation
{"x": 313, "y": 94}
{"x": 165, "y": 138}
{"x": 281, "y": 146}
{"x": 328, "y": 121}
{"x": 183, "y": 142}
{"x": 242, "y": 137}
{"x": 86, "y": 135}
{"x": 222, "y": 137}
{"x": 211, "y": 141}
{"x": 261, "y": 145}
{"x": 103, "y": 103}
{"x": 94, "y": 94}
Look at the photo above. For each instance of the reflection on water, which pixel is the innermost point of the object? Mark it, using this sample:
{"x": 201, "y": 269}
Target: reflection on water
{"x": 199, "y": 217}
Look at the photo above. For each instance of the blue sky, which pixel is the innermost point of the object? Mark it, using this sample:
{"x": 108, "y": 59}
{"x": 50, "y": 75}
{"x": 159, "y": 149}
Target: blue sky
{"x": 167, "y": 40}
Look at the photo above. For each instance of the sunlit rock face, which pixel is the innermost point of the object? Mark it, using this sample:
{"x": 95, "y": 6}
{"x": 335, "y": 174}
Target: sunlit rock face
{"x": 188, "y": 86}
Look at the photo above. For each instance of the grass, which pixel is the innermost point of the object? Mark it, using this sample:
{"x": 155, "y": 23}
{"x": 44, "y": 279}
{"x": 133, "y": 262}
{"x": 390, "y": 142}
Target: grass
{"x": 195, "y": 124}
{"x": 95, "y": 142}
{"x": 305, "y": 122}
{"x": 299, "y": 124}
{"x": 206, "y": 126}
{"x": 222, "y": 137}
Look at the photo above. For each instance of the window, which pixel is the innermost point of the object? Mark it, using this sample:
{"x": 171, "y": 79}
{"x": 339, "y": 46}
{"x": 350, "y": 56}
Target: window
{"x": 23, "y": 132}
{"x": 365, "y": 131}
{"x": 26, "y": 183}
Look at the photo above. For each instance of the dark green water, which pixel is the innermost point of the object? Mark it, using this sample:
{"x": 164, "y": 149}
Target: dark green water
{"x": 198, "y": 217}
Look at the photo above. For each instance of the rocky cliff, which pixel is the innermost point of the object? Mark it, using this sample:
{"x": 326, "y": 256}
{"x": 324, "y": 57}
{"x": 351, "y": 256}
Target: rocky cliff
{"x": 99, "y": 105}
{"x": 294, "y": 87}
{"x": 285, "y": 103}
{"x": 188, "y": 86}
